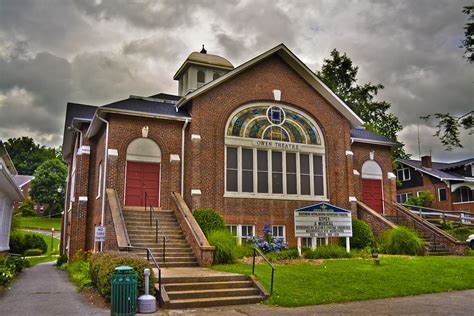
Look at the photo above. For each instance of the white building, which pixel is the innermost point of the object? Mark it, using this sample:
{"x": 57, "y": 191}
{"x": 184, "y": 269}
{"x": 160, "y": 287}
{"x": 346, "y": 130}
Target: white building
{"x": 9, "y": 193}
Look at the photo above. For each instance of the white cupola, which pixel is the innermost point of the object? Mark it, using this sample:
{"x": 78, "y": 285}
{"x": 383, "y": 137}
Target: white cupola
{"x": 199, "y": 69}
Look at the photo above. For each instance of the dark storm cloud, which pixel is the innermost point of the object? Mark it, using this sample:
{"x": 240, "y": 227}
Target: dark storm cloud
{"x": 98, "y": 51}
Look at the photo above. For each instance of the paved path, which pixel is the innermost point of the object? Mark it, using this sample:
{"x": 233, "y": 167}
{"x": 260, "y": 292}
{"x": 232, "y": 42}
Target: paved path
{"x": 45, "y": 290}
{"x": 450, "y": 303}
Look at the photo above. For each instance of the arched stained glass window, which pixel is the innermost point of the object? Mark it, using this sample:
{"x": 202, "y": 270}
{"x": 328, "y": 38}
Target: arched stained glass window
{"x": 274, "y": 123}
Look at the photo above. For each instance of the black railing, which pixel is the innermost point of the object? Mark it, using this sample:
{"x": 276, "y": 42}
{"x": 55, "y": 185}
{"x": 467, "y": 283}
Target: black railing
{"x": 149, "y": 255}
{"x": 153, "y": 216}
{"x": 255, "y": 251}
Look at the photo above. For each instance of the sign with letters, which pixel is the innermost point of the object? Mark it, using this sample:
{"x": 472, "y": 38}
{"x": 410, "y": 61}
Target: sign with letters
{"x": 99, "y": 234}
{"x": 323, "y": 220}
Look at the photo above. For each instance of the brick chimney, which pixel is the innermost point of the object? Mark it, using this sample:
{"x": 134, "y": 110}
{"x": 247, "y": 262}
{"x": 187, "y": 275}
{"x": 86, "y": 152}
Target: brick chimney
{"x": 426, "y": 162}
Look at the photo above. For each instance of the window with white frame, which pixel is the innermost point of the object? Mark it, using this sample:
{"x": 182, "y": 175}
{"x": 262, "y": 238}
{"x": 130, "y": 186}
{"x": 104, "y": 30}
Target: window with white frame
{"x": 274, "y": 151}
{"x": 464, "y": 194}
{"x": 201, "y": 78}
{"x": 442, "y": 194}
{"x": 312, "y": 242}
{"x": 99, "y": 180}
{"x": 403, "y": 197}
{"x": 418, "y": 193}
{"x": 241, "y": 231}
{"x": 403, "y": 173}
{"x": 278, "y": 231}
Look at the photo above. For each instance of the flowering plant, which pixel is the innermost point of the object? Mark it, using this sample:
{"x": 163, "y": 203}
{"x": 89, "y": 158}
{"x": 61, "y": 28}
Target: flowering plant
{"x": 268, "y": 243}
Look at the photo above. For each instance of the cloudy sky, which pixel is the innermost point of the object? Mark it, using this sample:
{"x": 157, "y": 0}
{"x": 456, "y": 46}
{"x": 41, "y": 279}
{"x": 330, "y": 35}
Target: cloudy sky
{"x": 95, "y": 52}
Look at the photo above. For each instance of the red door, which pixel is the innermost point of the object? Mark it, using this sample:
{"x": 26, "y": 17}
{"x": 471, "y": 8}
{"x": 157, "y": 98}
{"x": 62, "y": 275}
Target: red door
{"x": 372, "y": 194}
{"x": 142, "y": 177}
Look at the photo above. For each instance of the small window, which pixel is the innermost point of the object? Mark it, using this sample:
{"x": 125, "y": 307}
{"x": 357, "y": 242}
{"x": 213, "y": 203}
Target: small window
{"x": 291, "y": 173}
{"x": 464, "y": 194}
{"x": 278, "y": 231}
{"x": 306, "y": 242}
{"x": 403, "y": 174}
{"x": 247, "y": 170}
{"x": 262, "y": 171}
{"x": 231, "y": 184}
{"x": 277, "y": 172}
{"x": 442, "y": 194}
{"x": 232, "y": 229}
{"x": 402, "y": 198}
{"x": 201, "y": 78}
{"x": 304, "y": 174}
{"x": 216, "y": 75}
{"x": 247, "y": 231}
{"x": 99, "y": 180}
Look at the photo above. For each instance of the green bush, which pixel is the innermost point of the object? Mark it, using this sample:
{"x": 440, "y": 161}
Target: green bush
{"x": 79, "y": 273}
{"x": 26, "y": 208}
{"x": 423, "y": 199}
{"x": 326, "y": 252}
{"x": 33, "y": 252}
{"x": 101, "y": 266}
{"x": 363, "y": 253}
{"x": 243, "y": 251}
{"x": 10, "y": 267}
{"x": 20, "y": 243}
{"x": 225, "y": 245}
{"x": 461, "y": 233}
{"x": 285, "y": 254}
{"x": 401, "y": 241}
{"x": 208, "y": 220}
{"x": 61, "y": 260}
{"x": 446, "y": 224}
{"x": 362, "y": 235}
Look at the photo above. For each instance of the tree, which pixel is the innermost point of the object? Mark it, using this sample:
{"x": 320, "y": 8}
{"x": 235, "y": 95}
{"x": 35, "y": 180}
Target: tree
{"x": 468, "y": 42}
{"x": 48, "y": 186}
{"x": 27, "y": 155}
{"x": 340, "y": 75}
{"x": 447, "y": 127}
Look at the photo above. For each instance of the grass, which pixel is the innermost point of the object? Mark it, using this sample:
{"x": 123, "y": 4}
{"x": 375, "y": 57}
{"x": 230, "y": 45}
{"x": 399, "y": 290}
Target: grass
{"x": 40, "y": 222}
{"x": 344, "y": 280}
{"x": 49, "y": 255}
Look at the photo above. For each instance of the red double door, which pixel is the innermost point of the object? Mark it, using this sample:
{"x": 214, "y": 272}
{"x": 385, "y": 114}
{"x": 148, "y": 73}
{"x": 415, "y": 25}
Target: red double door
{"x": 372, "y": 194}
{"x": 142, "y": 177}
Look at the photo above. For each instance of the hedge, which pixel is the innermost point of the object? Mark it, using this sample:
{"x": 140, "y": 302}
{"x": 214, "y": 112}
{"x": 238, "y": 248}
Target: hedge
{"x": 102, "y": 265}
{"x": 208, "y": 220}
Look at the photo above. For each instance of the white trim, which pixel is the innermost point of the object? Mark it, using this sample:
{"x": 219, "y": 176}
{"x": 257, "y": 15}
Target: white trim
{"x": 83, "y": 199}
{"x": 196, "y": 137}
{"x": 391, "y": 176}
{"x": 403, "y": 174}
{"x": 375, "y": 142}
{"x": 467, "y": 202}
{"x": 195, "y": 192}
{"x": 446, "y": 194}
{"x": 284, "y": 232}
{"x": 99, "y": 181}
{"x": 113, "y": 153}
{"x": 355, "y": 172}
{"x": 291, "y": 197}
{"x": 352, "y": 199}
{"x": 349, "y": 153}
{"x": 174, "y": 157}
{"x": 84, "y": 150}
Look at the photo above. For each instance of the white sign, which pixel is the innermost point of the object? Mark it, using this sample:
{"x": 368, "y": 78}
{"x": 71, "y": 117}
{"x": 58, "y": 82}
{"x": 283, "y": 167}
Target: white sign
{"x": 323, "y": 220}
{"x": 99, "y": 233}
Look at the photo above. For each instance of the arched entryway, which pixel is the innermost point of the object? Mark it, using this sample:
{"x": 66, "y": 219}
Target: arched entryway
{"x": 143, "y": 172}
{"x": 372, "y": 190}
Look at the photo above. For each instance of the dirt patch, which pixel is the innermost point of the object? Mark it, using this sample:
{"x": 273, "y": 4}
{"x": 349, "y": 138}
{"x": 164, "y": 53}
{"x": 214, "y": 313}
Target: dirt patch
{"x": 259, "y": 260}
{"x": 94, "y": 298}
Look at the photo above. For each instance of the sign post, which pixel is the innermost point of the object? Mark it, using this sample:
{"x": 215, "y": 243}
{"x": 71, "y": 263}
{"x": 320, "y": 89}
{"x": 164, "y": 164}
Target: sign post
{"x": 323, "y": 220}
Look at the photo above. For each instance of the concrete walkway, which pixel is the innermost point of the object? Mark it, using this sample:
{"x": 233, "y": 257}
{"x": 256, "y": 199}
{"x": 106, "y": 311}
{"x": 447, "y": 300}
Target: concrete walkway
{"x": 45, "y": 290}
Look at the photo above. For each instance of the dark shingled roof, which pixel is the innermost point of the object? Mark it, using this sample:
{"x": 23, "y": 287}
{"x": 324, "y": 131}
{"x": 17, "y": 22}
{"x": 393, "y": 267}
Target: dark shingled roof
{"x": 78, "y": 111}
{"x": 438, "y": 169}
{"x": 364, "y": 134}
{"x": 166, "y": 96}
{"x": 148, "y": 105}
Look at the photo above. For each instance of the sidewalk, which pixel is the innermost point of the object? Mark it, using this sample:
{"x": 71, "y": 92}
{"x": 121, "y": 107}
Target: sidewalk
{"x": 45, "y": 290}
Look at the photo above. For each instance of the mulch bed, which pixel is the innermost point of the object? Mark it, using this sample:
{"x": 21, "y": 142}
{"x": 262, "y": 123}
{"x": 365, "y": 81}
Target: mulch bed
{"x": 94, "y": 298}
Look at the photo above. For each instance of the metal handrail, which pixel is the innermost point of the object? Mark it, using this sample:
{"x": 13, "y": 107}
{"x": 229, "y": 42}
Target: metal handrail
{"x": 149, "y": 255}
{"x": 255, "y": 251}
{"x": 153, "y": 216}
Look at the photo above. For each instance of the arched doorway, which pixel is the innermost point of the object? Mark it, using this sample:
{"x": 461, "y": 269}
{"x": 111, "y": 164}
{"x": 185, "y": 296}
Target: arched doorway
{"x": 372, "y": 190}
{"x": 143, "y": 172}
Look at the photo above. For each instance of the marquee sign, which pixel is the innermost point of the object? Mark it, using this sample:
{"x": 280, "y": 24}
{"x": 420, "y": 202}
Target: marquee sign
{"x": 323, "y": 220}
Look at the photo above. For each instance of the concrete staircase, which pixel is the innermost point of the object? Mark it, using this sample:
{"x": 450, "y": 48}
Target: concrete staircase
{"x": 200, "y": 287}
{"x": 432, "y": 245}
{"x": 141, "y": 234}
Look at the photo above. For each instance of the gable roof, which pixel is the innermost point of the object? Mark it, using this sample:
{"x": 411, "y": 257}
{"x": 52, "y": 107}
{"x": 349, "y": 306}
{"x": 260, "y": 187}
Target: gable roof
{"x": 296, "y": 64}
{"x": 76, "y": 114}
{"x": 437, "y": 170}
{"x": 361, "y": 135}
{"x": 21, "y": 180}
{"x": 7, "y": 160}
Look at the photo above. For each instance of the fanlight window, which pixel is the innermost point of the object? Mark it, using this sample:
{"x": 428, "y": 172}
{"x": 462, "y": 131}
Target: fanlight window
{"x": 274, "y": 151}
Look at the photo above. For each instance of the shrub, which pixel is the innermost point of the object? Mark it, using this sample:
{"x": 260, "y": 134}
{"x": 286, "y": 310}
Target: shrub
{"x": 79, "y": 273}
{"x": 26, "y": 208}
{"x": 461, "y": 233}
{"x": 101, "y": 266}
{"x": 446, "y": 224}
{"x": 326, "y": 252}
{"x": 20, "y": 243}
{"x": 208, "y": 220}
{"x": 61, "y": 260}
{"x": 267, "y": 243}
{"x": 243, "y": 251}
{"x": 285, "y": 254}
{"x": 11, "y": 266}
{"x": 33, "y": 252}
{"x": 401, "y": 241}
{"x": 424, "y": 198}
{"x": 224, "y": 242}
{"x": 362, "y": 235}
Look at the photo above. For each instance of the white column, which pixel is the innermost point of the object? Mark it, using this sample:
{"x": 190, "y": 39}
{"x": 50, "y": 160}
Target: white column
{"x": 299, "y": 246}
{"x": 348, "y": 245}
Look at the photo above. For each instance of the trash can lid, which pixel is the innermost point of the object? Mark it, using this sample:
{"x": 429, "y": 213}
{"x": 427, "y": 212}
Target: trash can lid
{"x": 124, "y": 268}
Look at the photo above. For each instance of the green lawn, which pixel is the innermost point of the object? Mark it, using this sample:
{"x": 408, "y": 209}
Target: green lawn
{"x": 343, "y": 280}
{"x": 48, "y": 256}
{"x": 40, "y": 222}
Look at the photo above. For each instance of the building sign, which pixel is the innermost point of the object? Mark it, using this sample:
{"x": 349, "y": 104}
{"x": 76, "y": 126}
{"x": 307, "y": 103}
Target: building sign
{"x": 323, "y": 220}
{"x": 271, "y": 144}
{"x": 99, "y": 233}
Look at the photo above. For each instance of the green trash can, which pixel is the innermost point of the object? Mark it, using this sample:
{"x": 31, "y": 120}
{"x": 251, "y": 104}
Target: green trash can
{"x": 124, "y": 291}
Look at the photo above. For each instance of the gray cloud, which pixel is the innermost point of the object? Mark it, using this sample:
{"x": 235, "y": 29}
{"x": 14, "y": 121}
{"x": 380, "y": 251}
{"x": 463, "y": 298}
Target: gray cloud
{"x": 99, "y": 51}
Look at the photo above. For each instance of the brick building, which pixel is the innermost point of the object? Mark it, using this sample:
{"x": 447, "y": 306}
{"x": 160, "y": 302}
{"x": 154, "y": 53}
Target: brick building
{"x": 451, "y": 184}
{"x": 254, "y": 142}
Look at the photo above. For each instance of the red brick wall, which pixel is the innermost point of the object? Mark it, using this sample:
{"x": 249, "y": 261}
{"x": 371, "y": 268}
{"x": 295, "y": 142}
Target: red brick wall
{"x": 205, "y": 166}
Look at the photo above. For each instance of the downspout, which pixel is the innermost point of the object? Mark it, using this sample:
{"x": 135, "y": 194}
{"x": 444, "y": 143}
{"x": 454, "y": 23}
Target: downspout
{"x": 64, "y": 228}
{"x": 182, "y": 155}
{"x": 104, "y": 185}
